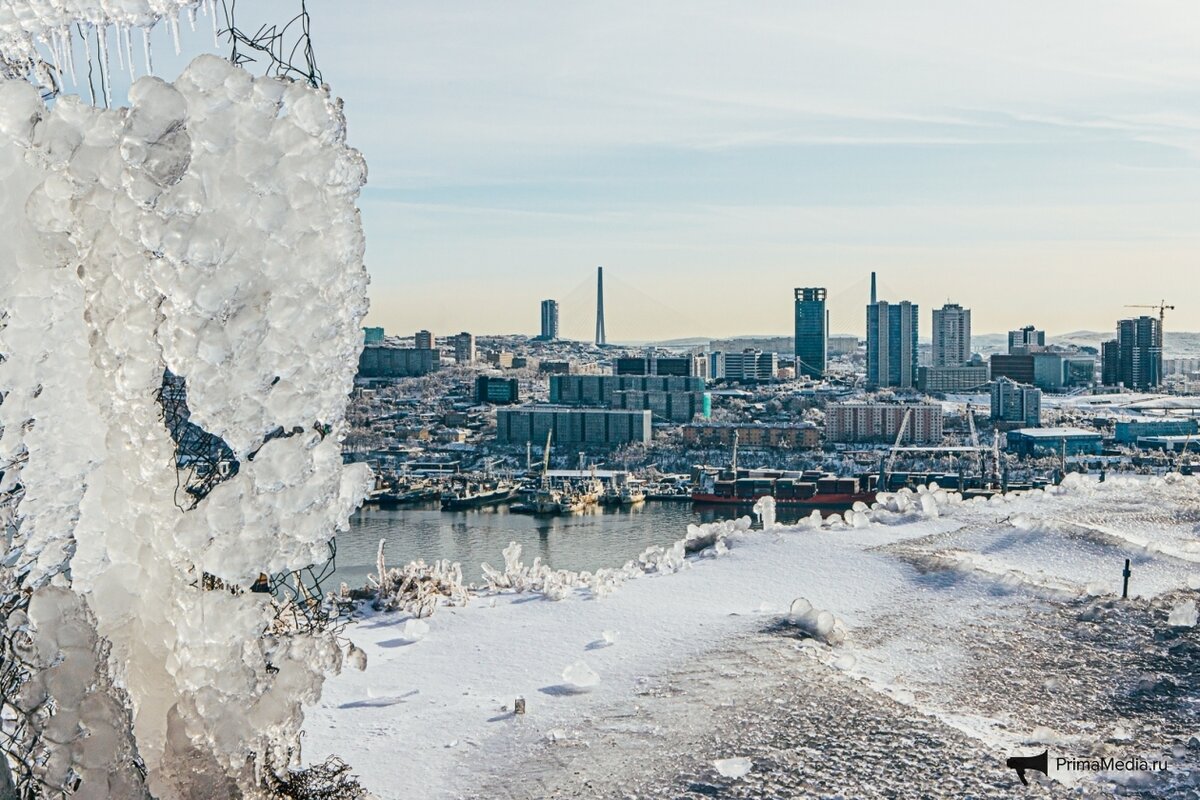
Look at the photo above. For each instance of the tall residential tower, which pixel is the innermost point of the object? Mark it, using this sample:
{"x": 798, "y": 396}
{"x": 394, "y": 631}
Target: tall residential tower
{"x": 951, "y": 335}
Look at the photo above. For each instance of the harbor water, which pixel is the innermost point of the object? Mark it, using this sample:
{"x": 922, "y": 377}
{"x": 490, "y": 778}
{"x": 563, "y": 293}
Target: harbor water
{"x": 598, "y": 537}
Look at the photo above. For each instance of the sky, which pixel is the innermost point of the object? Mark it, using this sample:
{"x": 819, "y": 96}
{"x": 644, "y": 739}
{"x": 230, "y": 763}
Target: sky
{"x": 1037, "y": 163}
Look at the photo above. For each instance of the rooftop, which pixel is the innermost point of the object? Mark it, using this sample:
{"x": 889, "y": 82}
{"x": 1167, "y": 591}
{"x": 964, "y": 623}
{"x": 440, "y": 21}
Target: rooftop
{"x": 1056, "y": 433}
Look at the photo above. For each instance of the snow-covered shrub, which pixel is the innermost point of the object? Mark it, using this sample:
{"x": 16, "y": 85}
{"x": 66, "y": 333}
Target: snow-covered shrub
{"x": 417, "y": 587}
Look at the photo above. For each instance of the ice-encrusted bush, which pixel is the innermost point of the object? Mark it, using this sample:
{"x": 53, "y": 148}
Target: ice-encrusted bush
{"x": 557, "y": 584}
{"x": 417, "y": 587}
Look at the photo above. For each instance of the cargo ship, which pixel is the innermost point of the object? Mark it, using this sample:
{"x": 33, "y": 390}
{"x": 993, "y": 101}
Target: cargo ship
{"x": 791, "y": 489}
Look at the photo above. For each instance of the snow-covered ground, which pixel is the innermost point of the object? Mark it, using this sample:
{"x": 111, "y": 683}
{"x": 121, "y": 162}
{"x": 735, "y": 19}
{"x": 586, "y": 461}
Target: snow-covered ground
{"x": 974, "y": 631}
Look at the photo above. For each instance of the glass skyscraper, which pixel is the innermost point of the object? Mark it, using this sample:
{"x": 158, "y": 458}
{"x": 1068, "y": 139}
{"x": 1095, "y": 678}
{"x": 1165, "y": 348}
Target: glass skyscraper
{"x": 892, "y": 344}
{"x": 811, "y": 333}
{"x": 549, "y": 320}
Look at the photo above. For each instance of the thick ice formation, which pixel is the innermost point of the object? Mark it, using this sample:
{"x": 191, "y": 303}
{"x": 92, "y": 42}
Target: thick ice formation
{"x": 209, "y": 229}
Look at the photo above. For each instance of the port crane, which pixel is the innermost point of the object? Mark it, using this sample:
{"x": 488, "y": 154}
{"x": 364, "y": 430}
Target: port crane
{"x": 546, "y": 461}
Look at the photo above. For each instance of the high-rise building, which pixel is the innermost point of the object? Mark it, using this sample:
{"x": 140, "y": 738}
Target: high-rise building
{"x": 812, "y": 332}
{"x": 372, "y": 335}
{"x": 464, "y": 348}
{"x": 1110, "y": 362}
{"x": 1026, "y": 340}
{"x": 951, "y": 335}
{"x": 1139, "y": 350}
{"x": 549, "y": 320}
{"x": 424, "y": 340}
{"x": 892, "y": 344}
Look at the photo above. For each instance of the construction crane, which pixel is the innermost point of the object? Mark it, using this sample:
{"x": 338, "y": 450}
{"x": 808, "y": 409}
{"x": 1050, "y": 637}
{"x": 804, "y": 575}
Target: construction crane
{"x": 887, "y": 472}
{"x": 1162, "y": 307}
{"x": 975, "y": 440}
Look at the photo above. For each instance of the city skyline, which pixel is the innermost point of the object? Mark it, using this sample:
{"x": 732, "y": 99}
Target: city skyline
{"x": 927, "y": 323}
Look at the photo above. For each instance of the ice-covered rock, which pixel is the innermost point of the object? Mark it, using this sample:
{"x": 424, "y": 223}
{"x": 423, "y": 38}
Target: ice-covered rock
{"x": 737, "y": 767}
{"x": 580, "y": 677}
{"x": 816, "y": 623}
{"x": 414, "y": 629}
{"x": 1183, "y": 615}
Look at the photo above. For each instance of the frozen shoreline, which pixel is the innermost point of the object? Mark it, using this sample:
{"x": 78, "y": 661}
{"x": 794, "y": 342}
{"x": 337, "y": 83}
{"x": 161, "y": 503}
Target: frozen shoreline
{"x": 920, "y": 598}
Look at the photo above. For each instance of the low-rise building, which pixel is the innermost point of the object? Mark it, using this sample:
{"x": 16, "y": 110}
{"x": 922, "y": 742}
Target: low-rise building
{"x": 941, "y": 380}
{"x": 746, "y": 366}
{"x": 1033, "y": 442}
{"x": 679, "y": 406}
{"x": 1015, "y": 405}
{"x": 881, "y": 422}
{"x": 601, "y": 427}
{"x": 1130, "y": 431}
{"x": 597, "y": 390}
{"x": 497, "y": 391}
{"x": 397, "y": 362}
{"x": 841, "y": 344}
{"x": 794, "y": 436}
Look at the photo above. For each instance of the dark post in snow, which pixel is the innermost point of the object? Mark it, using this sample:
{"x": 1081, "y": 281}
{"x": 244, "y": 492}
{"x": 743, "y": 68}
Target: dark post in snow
{"x": 1126, "y": 573}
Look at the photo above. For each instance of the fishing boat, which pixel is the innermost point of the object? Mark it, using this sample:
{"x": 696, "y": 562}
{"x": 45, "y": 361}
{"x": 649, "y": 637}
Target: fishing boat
{"x": 477, "y": 493}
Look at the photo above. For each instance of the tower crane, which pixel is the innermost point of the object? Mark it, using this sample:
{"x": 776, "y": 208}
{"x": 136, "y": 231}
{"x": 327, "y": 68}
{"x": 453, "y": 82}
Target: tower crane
{"x": 1162, "y": 307}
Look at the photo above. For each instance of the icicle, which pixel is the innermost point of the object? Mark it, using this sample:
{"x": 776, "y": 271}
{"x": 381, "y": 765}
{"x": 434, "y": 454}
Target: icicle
{"x": 146, "y": 50}
{"x": 102, "y": 36}
{"x": 129, "y": 52}
{"x": 120, "y": 49}
{"x": 71, "y": 57}
{"x": 52, "y": 45}
{"x": 87, "y": 51}
{"x": 191, "y": 15}
{"x": 174, "y": 21}
{"x": 212, "y": 12}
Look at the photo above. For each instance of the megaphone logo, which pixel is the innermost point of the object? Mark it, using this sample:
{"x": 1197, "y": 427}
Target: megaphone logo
{"x": 1022, "y": 763}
